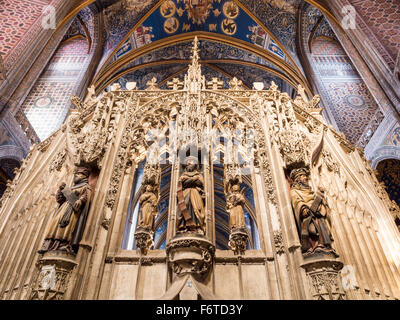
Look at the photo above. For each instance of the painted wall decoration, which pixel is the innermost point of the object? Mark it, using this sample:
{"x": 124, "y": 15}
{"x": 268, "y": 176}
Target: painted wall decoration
{"x": 347, "y": 98}
{"x": 120, "y": 18}
{"x": 223, "y": 17}
{"x": 351, "y": 103}
{"x": 142, "y": 76}
{"x": 140, "y": 37}
{"x": 382, "y": 17}
{"x": 6, "y": 137}
{"x": 249, "y": 75}
{"x": 388, "y": 171}
{"x": 279, "y": 16}
{"x": 47, "y": 105}
{"x": 20, "y": 23}
{"x": 259, "y": 37}
{"x": 209, "y": 50}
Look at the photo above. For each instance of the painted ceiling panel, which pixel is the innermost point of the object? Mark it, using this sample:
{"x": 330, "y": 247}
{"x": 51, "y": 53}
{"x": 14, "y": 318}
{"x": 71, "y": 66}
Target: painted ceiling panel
{"x": 120, "y": 18}
{"x": 209, "y": 50}
{"x": 279, "y": 16}
{"x": 249, "y": 75}
{"x": 174, "y": 17}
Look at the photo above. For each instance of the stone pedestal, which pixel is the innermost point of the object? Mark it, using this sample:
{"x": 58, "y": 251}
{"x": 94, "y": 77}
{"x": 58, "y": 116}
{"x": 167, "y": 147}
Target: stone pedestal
{"x": 144, "y": 240}
{"x": 238, "y": 240}
{"x": 323, "y": 272}
{"x": 190, "y": 253}
{"x": 54, "y": 272}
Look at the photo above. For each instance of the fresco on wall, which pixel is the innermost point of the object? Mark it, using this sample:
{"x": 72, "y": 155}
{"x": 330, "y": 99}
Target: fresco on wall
{"x": 223, "y": 17}
{"x": 47, "y": 104}
{"x": 279, "y": 16}
{"x": 388, "y": 171}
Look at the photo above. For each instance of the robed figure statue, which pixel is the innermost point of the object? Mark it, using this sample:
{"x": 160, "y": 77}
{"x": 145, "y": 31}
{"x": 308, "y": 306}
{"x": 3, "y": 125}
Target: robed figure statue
{"x": 66, "y": 228}
{"x": 191, "y": 211}
{"x": 311, "y": 214}
{"x": 148, "y": 208}
{"x": 235, "y": 202}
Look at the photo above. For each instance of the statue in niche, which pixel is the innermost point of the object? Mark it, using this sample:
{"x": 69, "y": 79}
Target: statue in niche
{"x": 234, "y": 204}
{"x": 311, "y": 214}
{"x": 235, "y": 201}
{"x": 148, "y": 208}
{"x": 191, "y": 210}
{"x": 66, "y": 228}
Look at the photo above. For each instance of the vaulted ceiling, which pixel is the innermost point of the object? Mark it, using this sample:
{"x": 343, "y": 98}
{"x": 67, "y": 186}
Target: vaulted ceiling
{"x": 252, "y": 40}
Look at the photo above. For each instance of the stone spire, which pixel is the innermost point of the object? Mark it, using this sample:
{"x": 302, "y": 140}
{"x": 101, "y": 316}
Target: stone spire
{"x": 194, "y": 80}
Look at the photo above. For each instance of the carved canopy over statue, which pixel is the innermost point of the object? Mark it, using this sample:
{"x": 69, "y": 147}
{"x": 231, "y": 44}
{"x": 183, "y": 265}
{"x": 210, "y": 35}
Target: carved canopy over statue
{"x": 311, "y": 214}
{"x": 66, "y": 228}
{"x": 191, "y": 210}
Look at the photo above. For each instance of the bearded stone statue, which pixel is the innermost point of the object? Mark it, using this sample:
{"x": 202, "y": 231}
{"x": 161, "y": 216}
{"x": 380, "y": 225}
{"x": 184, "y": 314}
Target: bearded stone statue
{"x": 311, "y": 214}
{"x": 66, "y": 229}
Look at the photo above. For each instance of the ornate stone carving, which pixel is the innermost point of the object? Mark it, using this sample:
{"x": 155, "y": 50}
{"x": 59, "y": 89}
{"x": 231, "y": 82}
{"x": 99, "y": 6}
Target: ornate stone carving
{"x": 278, "y": 242}
{"x": 331, "y": 164}
{"x": 52, "y": 278}
{"x": 323, "y": 273}
{"x": 238, "y": 240}
{"x": 236, "y": 84}
{"x": 58, "y": 161}
{"x": 190, "y": 254}
{"x": 144, "y": 239}
{"x": 152, "y": 84}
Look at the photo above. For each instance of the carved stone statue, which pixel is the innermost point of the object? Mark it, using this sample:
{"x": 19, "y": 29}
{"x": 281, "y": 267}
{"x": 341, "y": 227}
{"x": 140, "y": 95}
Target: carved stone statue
{"x": 148, "y": 208}
{"x": 235, "y": 202}
{"x": 66, "y": 229}
{"x": 191, "y": 211}
{"x": 311, "y": 214}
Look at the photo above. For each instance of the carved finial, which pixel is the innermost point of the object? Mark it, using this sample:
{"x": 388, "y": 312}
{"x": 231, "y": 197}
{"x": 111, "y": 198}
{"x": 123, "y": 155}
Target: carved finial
{"x": 215, "y": 84}
{"x": 302, "y": 93}
{"x": 195, "y": 51}
{"x": 78, "y": 103}
{"x": 91, "y": 91}
{"x": 194, "y": 80}
{"x": 273, "y": 86}
{"x": 235, "y": 84}
{"x": 131, "y": 86}
{"x": 175, "y": 84}
{"x": 115, "y": 87}
{"x": 152, "y": 84}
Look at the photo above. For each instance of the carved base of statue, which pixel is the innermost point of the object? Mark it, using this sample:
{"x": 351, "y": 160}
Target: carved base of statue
{"x": 53, "y": 273}
{"x": 57, "y": 245}
{"x": 190, "y": 253}
{"x": 144, "y": 239}
{"x": 238, "y": 240}
{"x": 321, "y": 250}
{"x": 323, "y": 272}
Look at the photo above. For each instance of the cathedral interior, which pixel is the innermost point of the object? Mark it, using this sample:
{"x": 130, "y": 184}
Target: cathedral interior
{"x": 200, "y": 149}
